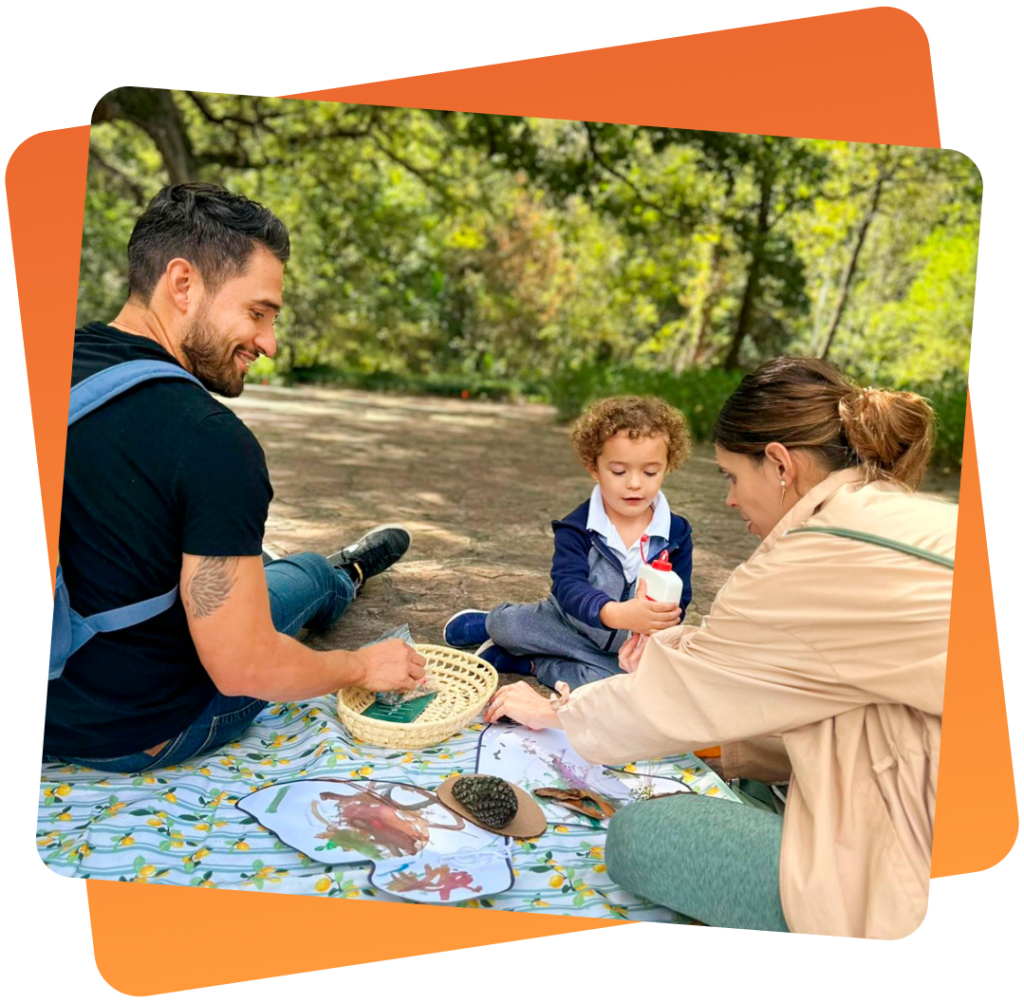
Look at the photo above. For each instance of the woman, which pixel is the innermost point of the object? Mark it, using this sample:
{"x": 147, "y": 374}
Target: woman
{"x": 822, "y": 662}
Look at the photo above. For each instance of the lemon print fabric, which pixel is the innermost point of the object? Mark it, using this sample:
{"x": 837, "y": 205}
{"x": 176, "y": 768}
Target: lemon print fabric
{"x": 207, "y": 823}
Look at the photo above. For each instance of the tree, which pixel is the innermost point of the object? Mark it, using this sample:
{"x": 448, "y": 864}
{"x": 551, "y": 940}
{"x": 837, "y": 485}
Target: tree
{"x": 498, "y": 247}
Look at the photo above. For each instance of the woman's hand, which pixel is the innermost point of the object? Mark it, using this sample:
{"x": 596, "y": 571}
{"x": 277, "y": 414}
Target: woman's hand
{"x": 632, "y": 651}
{"x": 521, "y": 702}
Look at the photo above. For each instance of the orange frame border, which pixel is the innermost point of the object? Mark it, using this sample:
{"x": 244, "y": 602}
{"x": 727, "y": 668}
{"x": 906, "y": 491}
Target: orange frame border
{"x": 789, "y": 78}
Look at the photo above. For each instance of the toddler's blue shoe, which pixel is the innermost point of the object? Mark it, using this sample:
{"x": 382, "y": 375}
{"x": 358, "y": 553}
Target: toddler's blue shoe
{"x": 467, "y": 629}
{"x": 504, "y": 661}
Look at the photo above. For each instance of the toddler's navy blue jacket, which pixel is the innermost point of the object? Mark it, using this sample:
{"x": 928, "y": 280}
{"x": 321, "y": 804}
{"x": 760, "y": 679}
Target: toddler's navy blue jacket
{"x": 586, "y": 573}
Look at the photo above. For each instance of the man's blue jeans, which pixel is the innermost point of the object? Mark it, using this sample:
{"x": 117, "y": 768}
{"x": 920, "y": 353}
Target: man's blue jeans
{"x": 305, "y": 591}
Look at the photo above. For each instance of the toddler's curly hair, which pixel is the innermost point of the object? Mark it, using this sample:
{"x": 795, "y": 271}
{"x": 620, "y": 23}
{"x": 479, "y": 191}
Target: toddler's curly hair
{"x": 639, "y": 416}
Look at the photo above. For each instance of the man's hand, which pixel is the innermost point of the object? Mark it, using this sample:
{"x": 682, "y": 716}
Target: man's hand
{"x": 389, "y": 665}
{"x": 228, "y": 610}
{"x": 640, "y": 615}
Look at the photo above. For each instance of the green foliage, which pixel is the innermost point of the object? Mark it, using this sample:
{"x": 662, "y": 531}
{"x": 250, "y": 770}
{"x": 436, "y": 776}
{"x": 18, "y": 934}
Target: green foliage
{"x": 698, "y": 394}
{"x": 469, "y": 387}
{"x": 948, "y": 396}
{"x": 510, "y": 257}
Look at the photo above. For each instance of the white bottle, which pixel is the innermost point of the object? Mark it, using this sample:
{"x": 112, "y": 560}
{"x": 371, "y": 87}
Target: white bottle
{"x": 658, "y": 582}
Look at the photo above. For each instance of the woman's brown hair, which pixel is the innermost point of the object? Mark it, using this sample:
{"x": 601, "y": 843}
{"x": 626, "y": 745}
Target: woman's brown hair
{"x": 809, "y": 404}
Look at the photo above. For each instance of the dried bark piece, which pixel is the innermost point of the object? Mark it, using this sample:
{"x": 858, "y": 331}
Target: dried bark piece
{"x": 579, "y": 800}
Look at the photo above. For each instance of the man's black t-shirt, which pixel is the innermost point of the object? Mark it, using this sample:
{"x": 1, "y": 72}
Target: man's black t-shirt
{"x": 161, "y": 471}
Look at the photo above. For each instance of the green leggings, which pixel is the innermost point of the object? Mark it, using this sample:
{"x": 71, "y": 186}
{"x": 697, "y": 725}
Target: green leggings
{"x": 710, "y": 859}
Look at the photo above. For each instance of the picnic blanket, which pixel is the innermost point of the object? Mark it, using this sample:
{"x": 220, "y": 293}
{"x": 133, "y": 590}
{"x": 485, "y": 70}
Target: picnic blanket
{"x": 180, "y": 825}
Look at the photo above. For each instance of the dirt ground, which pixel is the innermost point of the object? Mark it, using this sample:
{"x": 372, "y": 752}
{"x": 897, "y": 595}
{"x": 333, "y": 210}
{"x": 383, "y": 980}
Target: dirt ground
{"x": 476, "y": 484}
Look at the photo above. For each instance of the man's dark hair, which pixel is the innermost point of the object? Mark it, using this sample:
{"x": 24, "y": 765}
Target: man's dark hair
{"x": 210, "y": 227}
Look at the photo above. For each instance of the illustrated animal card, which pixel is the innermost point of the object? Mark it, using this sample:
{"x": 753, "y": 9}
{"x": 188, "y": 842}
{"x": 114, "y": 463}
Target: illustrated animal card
{"x": 420, "y": 849}
{"x": 446, "y": 878}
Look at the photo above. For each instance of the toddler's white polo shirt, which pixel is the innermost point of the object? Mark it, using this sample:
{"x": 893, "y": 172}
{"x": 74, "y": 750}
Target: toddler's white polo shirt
{"x": 631, "y": 557}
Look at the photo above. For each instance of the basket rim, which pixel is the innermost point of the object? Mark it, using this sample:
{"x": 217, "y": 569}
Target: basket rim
{"x": 409, "y": 730}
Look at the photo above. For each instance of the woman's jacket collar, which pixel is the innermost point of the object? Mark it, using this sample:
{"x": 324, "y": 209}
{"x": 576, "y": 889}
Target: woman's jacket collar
{"x": 809, "y": 504}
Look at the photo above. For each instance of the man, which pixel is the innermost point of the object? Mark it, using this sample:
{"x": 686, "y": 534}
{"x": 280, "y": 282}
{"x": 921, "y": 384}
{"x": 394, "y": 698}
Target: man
{"x": 164, "y": 485}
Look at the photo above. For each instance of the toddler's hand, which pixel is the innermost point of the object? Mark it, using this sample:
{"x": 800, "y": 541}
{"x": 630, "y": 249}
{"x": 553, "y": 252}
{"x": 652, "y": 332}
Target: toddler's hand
{"x": 642, "y": 616}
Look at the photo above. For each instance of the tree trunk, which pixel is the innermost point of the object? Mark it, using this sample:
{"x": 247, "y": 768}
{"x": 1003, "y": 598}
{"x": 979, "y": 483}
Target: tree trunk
{"x": 851, "y": 268}
{"x": 155, "y": 112}
{"x": 752, "y": 291}
{"x": 690, "y": 354}
{"x": 823, "y": 299}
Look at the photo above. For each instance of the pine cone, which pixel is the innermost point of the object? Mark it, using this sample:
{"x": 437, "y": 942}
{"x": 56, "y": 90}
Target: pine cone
{"x": 490, "y": 799}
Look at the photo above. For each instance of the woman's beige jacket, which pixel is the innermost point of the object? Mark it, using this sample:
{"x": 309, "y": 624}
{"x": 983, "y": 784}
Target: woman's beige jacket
{"x": 839, "y": 647}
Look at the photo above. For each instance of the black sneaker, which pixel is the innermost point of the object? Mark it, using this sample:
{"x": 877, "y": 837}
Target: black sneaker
{"x": 373, "y": 553}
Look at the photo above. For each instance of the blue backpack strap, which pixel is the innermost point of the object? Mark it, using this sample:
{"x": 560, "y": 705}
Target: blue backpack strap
{"x": 84, "y": 628}
{"x": 129, "y": 616}
{"x": 70, "y": 630}
{"x": 94, "y": 391}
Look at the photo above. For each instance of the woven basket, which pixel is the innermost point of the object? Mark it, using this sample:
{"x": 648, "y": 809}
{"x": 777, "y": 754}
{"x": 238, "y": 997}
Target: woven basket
{"x": 466, "y": 682}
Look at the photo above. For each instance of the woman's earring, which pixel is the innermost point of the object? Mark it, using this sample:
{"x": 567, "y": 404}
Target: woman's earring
{"x": 783, "y": 483}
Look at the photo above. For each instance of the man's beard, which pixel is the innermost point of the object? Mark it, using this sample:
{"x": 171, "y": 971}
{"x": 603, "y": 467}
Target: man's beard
{"x": 203, "y": 347}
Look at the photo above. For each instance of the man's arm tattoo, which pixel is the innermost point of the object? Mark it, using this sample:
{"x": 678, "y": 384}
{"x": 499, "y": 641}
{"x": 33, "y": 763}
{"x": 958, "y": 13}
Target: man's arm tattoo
{"x": 210, "y": 585}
